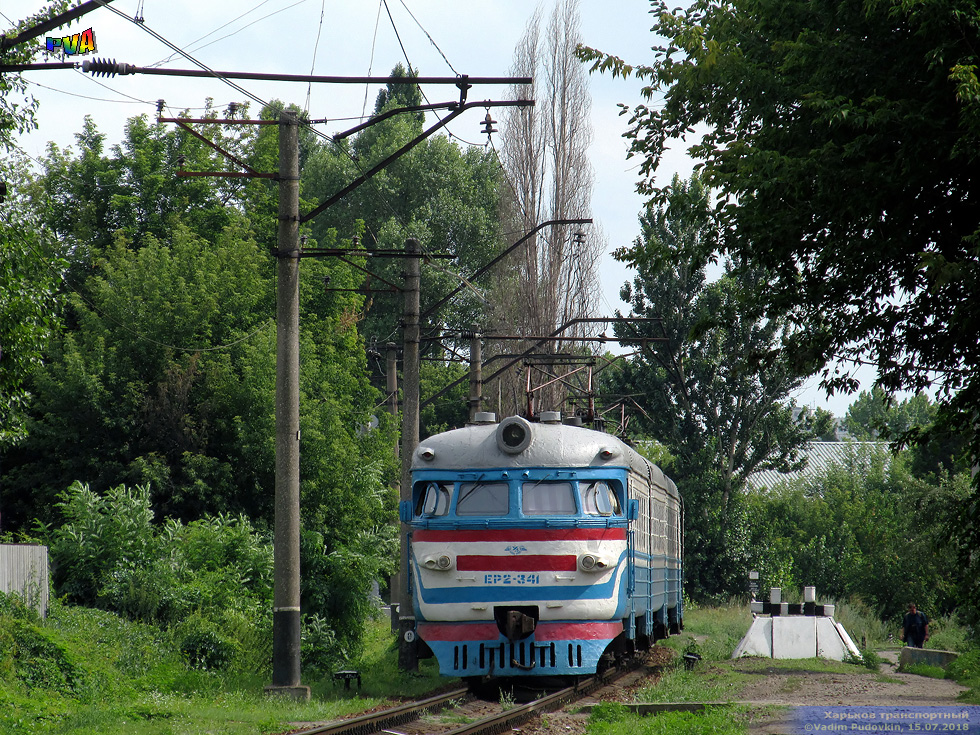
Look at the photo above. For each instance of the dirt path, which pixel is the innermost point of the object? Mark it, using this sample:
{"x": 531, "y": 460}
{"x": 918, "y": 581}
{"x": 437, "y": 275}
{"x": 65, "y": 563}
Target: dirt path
{"x": 885, "y": 688}
{"x": 773, "y": 691}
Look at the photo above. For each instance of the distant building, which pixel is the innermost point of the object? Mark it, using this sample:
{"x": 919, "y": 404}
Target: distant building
{"x": 820, "y": 457}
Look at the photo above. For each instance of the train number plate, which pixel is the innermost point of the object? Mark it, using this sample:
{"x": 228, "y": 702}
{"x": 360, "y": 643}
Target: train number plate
{"x": 512, "y": 578}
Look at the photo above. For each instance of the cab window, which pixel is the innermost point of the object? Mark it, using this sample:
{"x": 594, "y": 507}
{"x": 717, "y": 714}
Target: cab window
{"x": 483, "y": 499}
{"x": 599, "y": 499}
{"x": 548, "y": 498}
{"x": 434, "y": 501}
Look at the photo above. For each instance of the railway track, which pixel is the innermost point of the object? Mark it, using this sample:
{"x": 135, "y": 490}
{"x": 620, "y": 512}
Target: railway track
{"x": 375, "y": 722}
{"x": 478, "y": 717}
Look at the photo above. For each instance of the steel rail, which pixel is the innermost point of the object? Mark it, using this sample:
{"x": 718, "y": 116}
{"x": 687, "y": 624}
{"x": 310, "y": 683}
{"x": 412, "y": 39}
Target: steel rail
{"x": 376, "y": 721}
{"x": 511, "y": 718}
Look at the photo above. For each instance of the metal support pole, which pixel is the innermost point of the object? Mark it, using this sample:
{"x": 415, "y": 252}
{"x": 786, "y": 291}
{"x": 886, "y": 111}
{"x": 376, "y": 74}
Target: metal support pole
{"x": 286, "y": 592}
{"x": 407, "y": 653}
{"x": 476, "y": 375}
{"x": 391, "y": 385}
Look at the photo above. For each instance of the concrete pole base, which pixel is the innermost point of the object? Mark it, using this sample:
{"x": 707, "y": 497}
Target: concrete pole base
{"x": 299, "y": 693}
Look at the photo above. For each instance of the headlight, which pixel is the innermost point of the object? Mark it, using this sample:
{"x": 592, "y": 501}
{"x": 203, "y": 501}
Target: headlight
{"x": 592, "y": 563}
{"x": 442, "y": 563}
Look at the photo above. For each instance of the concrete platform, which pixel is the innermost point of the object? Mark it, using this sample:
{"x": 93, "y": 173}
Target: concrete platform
{"x": 796, "y": 636}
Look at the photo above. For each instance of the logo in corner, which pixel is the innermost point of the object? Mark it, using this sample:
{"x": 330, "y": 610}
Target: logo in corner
{"x": 77, "y": 43}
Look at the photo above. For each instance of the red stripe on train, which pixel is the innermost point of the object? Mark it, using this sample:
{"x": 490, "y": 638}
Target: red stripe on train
{"x": 458, "y": 631}
{"x": 544, "y": 631}
{"x": 526, "y": 563}
{"x": 577, "y": 631}
{"x": 475, "y": 535}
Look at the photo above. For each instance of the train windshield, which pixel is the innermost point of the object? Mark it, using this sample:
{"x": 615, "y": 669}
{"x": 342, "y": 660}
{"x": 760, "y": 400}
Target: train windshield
{"x": 483, "y": 499}
{"x": 435, "y": 500}
{"x": 598, "y": 499}
{"x": 547, "y": 498}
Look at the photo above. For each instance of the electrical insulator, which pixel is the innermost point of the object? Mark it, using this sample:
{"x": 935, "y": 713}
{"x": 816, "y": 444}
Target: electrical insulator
{"x": 488, "y": 124}
{"x": 107, "y": 67}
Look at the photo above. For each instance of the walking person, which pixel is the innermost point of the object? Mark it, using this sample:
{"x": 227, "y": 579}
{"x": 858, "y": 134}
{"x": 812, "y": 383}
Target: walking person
{"x": 915, "y": 627}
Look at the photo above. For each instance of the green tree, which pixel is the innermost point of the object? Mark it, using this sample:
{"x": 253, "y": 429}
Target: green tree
{"x": 875, "y": 415}
{"x": 867, "y": 529}
{"x": 164, "y": 379}
{"x": 843, "y": 141}
{"x": 713, "y": 391}
{"x": 444, "y": 195}
{"x": 17, "y": 107}
{"x": 29, "y": 303}
{"x": 28, "y": 271}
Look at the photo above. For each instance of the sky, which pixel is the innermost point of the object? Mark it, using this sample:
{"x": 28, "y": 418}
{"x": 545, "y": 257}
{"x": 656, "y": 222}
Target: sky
{"x": 355, "y": 38}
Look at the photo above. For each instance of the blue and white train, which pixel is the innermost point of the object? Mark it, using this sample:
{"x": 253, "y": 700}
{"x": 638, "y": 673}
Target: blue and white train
{"x": 539, "y": 549}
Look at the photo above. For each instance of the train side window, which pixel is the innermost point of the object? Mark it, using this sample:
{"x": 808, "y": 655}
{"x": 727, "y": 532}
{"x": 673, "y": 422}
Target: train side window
{"x": 598, "y": 499}
{"x": 483, "y": 499}
{"x": 547, "y": 498}
{"x": 435, "y": 500}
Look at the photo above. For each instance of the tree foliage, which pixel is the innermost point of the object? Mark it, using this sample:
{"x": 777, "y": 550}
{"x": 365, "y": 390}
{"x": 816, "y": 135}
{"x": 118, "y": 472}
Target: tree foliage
{"x": 210, "y": 581}
{"x": 17, "y": 107}
{"x": 868, "y": 529}
{"x": 163, "y": 372}
{"x": 842, "y": 139}
{"x": 709, "y": 383}
{"x": 29, "y": 303}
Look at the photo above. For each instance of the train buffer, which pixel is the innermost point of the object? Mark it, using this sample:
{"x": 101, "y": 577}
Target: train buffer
{"x": 347, "y": 676}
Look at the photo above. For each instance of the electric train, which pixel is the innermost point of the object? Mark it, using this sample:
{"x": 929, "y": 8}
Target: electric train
{"x": 539, "y": 549}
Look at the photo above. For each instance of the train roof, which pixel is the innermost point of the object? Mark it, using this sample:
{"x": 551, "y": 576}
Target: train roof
{"x": 516, "y": 442}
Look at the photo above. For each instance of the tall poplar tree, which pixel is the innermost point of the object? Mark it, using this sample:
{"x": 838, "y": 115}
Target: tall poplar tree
{"x": 552, "y": 279}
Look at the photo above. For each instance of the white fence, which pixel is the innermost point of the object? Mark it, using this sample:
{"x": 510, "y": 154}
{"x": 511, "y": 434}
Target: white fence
{"x": 24, "y": 571}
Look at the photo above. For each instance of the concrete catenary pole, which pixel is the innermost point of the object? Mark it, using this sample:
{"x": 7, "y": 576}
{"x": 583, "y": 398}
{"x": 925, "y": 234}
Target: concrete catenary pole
{"x": 407, "y": 655}
{"x": 391, "y": 385}
{"x": 476, "y": 375}
{"x": 286, "y": 591}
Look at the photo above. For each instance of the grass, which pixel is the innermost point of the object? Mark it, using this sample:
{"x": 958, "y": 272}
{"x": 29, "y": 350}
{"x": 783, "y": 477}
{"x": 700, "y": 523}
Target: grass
{"x": 86, "y": 671}
{"x": 613, "y": 719}
{"x": 933, "y": 672}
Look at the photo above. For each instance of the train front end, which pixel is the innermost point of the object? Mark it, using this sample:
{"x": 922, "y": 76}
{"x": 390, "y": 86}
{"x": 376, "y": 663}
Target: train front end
{"x": 518, "y": 548}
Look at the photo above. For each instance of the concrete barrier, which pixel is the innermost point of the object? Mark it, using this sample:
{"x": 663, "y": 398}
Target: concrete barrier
{"x": 910, "y": 656}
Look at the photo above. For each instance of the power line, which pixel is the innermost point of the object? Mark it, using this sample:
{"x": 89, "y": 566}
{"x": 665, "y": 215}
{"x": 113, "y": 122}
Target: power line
{"x": 427, "y": 35}
{"x": 316, "y": 45}
{"x": 210, "y": 33}
{"x": 374, "y": 40}
{"x": 183, "y": 53}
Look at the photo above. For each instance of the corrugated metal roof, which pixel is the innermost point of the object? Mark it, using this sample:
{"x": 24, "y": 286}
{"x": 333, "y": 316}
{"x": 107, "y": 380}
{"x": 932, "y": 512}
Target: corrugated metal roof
{"x": 820, "y": 457}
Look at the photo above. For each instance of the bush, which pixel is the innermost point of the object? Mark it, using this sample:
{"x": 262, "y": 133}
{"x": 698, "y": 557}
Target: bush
{"x": 211, "y": 580}
{"x": 947, "y": 633}
{"x": 966, "y": 668}
{"x": 321, "y": 651}
{"x": 203, "y": 647}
